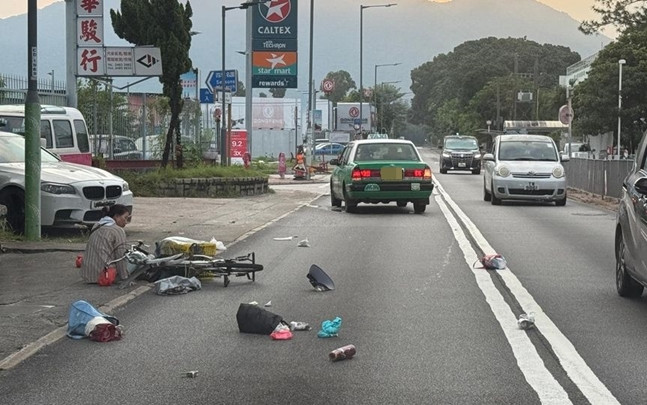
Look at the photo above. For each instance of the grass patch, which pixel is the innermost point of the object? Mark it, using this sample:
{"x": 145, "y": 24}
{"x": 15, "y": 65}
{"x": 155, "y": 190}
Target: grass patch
{"x": 147, "y": 184}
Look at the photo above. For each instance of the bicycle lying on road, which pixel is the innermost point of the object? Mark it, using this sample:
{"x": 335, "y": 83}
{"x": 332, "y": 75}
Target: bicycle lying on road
{"x": 147, "y": 266}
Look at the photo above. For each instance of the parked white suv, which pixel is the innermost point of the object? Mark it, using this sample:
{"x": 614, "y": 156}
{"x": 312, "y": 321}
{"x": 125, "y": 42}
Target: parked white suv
{"x": 524, "y": 167}
{"x": 70, "y": 193}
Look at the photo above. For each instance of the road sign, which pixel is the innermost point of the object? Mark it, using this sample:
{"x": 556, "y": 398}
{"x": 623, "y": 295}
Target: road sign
{"x": 328, "y": 85}
{"x": 206, "y": 97}
{"x": 214, "y": 80}
{"x": 565, "y": 114}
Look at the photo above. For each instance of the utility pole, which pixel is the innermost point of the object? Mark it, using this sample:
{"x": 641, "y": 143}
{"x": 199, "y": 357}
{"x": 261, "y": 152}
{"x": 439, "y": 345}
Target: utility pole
{"x": 32, "y": 130}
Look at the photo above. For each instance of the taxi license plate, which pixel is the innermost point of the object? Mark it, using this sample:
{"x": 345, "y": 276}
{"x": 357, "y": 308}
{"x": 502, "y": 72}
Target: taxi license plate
{"x": 461, "y": 164}
{"x": 372, "y": 187}
{"x": 415, "y": 186}
{"x": 101, "y": 204}
{"x": 391, "y": 173}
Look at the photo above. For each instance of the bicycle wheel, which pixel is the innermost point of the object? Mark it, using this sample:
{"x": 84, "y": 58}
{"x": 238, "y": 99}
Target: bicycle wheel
{"x": 228, "y": 268}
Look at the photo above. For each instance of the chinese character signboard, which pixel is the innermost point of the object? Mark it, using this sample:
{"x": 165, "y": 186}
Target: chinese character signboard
{"x": 91, "y": 62}
{"x": 95, "y": 59}
{"x": 119, "y": 61}
{"x": 274, "y": 44}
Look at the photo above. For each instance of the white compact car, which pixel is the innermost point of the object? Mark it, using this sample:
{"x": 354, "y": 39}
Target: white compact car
{"x": 524, "y": 167}
{"x": 71, "y": 193}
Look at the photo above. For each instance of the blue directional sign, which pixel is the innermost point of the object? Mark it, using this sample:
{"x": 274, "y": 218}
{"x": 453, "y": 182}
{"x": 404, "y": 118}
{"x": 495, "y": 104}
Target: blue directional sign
{"x": 206, "y": 96}
{"x": 214, "y": 80}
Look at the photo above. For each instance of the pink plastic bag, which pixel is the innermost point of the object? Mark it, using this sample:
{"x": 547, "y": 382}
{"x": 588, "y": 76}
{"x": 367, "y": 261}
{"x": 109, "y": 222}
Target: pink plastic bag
{"x": 281, "y": 334}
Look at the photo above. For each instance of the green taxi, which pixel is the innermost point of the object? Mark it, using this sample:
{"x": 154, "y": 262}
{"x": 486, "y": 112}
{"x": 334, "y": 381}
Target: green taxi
{"x": 380, "y": 171}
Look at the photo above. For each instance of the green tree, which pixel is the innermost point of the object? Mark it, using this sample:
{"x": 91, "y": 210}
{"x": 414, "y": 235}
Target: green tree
{"x": 343, "y": 83}
{"x": 620, "y": 14}
{"x": 444, "y": 87}
{"x": 94, "y": 102}
{"x": 391, "y": 109}
{"x": 167, "y": 25}
{"x": 240, "y": 89}
{"x": 278, "y": 92}
{"x": 595, "y": 101}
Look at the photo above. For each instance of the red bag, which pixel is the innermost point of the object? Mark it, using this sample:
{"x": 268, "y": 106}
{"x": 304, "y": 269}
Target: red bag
{"x": 79, "y": 261}
{"x": 107, "y": 276}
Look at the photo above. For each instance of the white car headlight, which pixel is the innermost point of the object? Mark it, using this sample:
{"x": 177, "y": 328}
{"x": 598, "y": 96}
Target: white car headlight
{"x": 502, "y": 171}
{"x": 558, "y": 172}
{"x": 54, "y": 188}
{"x": 447, "y": 154}
{"x": 477, "y": 156}
{"x": 125, "y": 187}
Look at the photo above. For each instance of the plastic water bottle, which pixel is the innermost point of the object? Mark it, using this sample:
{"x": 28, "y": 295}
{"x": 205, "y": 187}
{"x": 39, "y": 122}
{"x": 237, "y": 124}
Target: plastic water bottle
{"x": 299, "y": 326}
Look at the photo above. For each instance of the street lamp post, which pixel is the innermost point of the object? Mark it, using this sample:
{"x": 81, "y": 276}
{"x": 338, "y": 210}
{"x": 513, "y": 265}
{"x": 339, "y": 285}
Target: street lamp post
{"x": 361, "y": 52}
{"x": 488, "y": 123}
{"x": 375, "y": 82}
{"x": 620, "y": 63}
{"x": 224, "y": 159}
{"x": 390, "y": 102}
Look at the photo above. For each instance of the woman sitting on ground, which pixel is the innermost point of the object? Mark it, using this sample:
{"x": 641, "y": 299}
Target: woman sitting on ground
{"x": 107, "y": 242}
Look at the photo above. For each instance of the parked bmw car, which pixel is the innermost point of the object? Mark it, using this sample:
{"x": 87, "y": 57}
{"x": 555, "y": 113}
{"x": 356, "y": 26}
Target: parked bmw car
{"x": 631, "y": 229}
{"x": 70, "y": 193}
{"x": 380, "y": 171}
{"x": 524, "y": 167}
{"x": 460, "y": 153}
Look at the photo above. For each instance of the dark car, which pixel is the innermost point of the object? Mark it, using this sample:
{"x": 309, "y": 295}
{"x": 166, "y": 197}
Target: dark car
{"x": 460, "y": 153}
{"x": 631, "y": 229}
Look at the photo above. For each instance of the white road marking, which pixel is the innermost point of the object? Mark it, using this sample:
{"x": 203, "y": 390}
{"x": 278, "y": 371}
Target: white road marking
{"x": 576, "y": 368}
{"x": 528, "y": 360}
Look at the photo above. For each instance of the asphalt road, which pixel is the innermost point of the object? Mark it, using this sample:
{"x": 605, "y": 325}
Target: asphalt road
{"x": 428, "y": 325}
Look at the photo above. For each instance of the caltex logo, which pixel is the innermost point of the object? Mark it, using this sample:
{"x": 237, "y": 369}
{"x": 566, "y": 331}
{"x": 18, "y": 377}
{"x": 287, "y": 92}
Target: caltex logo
{"x": 277, "y": 10}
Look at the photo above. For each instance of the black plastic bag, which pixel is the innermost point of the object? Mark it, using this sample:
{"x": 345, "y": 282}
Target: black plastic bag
{"x": 253, "y": 319}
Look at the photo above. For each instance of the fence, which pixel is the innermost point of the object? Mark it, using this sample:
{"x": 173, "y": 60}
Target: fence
{"x": 601, "y": 177}
{"x": 13, "y": 90}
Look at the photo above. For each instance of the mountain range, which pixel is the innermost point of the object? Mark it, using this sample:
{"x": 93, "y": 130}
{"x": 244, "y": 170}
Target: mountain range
{"x": 411, "y": 33}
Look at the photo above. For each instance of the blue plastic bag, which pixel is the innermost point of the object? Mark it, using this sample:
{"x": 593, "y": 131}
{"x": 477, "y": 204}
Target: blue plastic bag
{"x": 82, "y": 312}
{"x": 330, "y": 328}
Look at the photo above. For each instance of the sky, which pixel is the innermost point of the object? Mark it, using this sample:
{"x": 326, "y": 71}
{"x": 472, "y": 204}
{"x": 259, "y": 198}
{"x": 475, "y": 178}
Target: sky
{"x": 578, "y": 9}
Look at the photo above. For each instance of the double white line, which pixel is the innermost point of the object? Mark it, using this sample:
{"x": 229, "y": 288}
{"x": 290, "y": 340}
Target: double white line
{"x": 528, "y": 360}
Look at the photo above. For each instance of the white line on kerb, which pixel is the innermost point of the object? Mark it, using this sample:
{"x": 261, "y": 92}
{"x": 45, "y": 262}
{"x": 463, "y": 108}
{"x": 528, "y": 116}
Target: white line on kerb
{"x": 530, "y": 363}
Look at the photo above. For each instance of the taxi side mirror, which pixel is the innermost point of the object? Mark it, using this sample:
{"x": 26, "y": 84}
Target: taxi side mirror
{"x": 334, "y": 162}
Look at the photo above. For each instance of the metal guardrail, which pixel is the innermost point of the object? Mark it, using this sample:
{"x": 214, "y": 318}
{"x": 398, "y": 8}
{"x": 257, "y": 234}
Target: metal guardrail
{"x": 13, "y": 90}
{"x": 601, "y": 177}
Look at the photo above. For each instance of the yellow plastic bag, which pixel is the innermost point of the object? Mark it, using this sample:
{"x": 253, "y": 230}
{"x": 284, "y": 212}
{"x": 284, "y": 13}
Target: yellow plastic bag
{"x": 178, "y": 244}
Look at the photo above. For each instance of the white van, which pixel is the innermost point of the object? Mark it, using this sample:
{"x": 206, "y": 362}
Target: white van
{"x": 63, "y": 129}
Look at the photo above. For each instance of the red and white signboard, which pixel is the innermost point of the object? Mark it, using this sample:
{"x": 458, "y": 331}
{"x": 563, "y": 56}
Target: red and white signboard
{"x": 89, "y": 31}
{"x": 353, "y": 112}
{"x": 328, "y": 85}
{"x": 89, "y": 7}
{"x": 237, "y": 145}
{"x": 90, "y": 62}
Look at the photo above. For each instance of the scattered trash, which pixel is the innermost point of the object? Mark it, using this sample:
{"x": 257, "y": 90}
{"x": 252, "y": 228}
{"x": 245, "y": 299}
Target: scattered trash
{"x": 177, "y": 285}
{"x": 300, "y": 326}
{"x": 191, "y": 374}
{"x": 303, "y": 243}
{"x": 342, "y": 353}
{"x": 281, "y": 332}
{"x": 106, "y": 332}
{"x": 79, "y": 261}
{"x": 526, "y": 321}
{"x": 219, "y": 245}
{"x": 253, "y": 303}
{"x": 492, "y": 262}
{"x": 268, "y": 304}
{"x": 253, "y": 319}
{"x": 80, "y": 314}
{"x": 319, "y": 279}
{"x": 330, "y": 328}
{"x": 285, "y": 238}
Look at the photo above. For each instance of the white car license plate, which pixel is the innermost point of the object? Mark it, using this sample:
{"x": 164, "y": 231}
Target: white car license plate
{"x": 461, "y": 164}
{"x": 101, "y": 204}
